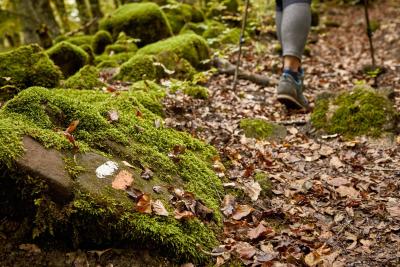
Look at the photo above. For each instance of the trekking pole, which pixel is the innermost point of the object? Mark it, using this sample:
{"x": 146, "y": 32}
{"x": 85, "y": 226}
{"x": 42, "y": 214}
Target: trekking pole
{"x": 369, "y": 33}
{"x": 240, "y": 44}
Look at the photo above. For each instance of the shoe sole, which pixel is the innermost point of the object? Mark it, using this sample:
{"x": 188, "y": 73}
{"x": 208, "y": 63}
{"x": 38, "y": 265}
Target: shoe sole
{"x": 290, "y": 102}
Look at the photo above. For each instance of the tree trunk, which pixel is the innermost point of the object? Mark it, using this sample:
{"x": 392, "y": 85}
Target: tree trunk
{"x": 83, "y": 12}
{"x": 62, "y": 13}
{"x": 46, "y": 16}
{"x": 96, "y": 14}
{"x": 28, "y": 19}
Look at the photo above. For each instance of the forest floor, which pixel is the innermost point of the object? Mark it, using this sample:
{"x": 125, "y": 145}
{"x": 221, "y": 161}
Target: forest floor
{"x": 332, "y": 201}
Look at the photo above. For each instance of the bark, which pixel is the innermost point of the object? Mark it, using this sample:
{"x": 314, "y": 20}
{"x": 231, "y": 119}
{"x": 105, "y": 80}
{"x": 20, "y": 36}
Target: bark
{"x": 83, "y": 12}
{"x": 28, "y": 19}
{"x": 46, "y": 16}
{"x": 96, "y": 14}
{"x": 62, "y": 13}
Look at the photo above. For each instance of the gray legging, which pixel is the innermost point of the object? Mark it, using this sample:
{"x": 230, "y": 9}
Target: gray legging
{"x": 293, "y": 21}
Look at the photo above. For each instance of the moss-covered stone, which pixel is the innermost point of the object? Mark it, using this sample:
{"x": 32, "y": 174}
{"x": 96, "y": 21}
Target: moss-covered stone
{"x": 262, "y": 129}
{"x": 107, "y": 64}
{"x": 70, "y": 58}
{"x": 175, "y": 67}
{"x": 27, "y": 66}
{"x": 361, "y": 111}
{"x": 76, "y": 40}
{"x": 105, "y": 215}
{"x": 214, "y": 29}
{"x": 149, "y": 94}
{"x": 188, "y": 88}
{"x": 139, "y": 67}
{"x": 265, "y": 184}
{"x": 179, "y": 14}
{"x": 86, "y": 78}
{"x": 120, "y": 48}
{"x": 191, "y": 47}
{"x": 89, "y": 51}
{"x": 144, "y": 21}
{"x": 100, "y": 40}
{"x": 197, "y": 28}
{"x": 119, "y": 58}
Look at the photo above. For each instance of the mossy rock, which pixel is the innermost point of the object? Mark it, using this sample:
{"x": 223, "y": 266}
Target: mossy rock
{"x": 27, "y": 66}
{"x": 175, "y": 67}
{"x": 89, "y": 51}
{"x": 144, "y": 21}
{"x": 361, "y": 111}
{"x": 193, "y": 90}
{"x": 86, "y": 78}
{"x": 197, "y": 28}
{"x": 139, "y": 67}
{"x": 106, "y": 64}
{"x": 149, "y": 94}
{"x": 219, "y": 8}
{"x": 191, "y": 47}
{"x": 100, "y": 40}
{"x": 119, "y": 58}
{"x": 265, "y": 184}
{"x": 214, "y": 29}
{"x": 70, "y": 58}
{"x": 179, "y": 14}
{"x": 76, "y": 40}
{"x": 262, "y": 129}
{"x": 98, "y": 213}
{"x": 123, "y": 44}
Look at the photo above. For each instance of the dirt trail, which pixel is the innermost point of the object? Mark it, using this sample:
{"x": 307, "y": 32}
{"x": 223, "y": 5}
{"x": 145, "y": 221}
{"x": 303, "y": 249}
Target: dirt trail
{"x": 332, "y": 200}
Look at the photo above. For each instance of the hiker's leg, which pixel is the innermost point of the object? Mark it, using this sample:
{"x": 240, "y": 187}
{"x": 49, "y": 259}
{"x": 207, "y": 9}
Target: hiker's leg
{"x": 278, "y": 19}
{"x": 295, "y": 26}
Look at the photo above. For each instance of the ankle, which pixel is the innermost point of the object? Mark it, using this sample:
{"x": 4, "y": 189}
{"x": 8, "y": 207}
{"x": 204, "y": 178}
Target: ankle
{"x": 294, "y": 74}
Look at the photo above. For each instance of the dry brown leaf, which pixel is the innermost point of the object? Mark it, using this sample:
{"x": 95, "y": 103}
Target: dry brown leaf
{"x": 351, "y": 237}
{"x": 326, "y": 151}
{"x": 335, "y": 162}
{"x": 393, "y": 207}
{"x": 122, "y": 180}
{"x": 147, "y": 174}
{"x": 259, "y": 231}
{"x": 338, "y": 181}
{"x": 144, "y": 204}
{"x": 113, "y": 115}
{"x": 347, "y": 191}
{"x": 241, "y": 211}
{"x": 158, "y": 208}
{"x": 183, "y": 214}
{"x": 228, "y": 205}
{"x": 31, "y": 248}
{"x": 72, "y": 126}
{"x": 245, "y": 250}
{"x": 312, "y": 259}
{"x": 252, "y": 189}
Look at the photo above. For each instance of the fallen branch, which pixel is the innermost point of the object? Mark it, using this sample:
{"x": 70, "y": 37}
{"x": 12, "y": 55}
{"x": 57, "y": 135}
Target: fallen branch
{"x": 225, "y": 67}
{"x": 82, "y": 28}
{"x": 294, "y": 122}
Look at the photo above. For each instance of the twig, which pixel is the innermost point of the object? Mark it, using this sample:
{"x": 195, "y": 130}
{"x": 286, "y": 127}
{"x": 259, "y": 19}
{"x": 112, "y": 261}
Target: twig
{"x": 298, "y": 122}
{"x": 240, "y": 44}
{"x": 214, "y": 254}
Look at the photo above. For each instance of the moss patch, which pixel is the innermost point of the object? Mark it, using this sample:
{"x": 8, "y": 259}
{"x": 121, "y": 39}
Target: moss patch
{"x": 262, "y": 129}
{"x": 86, "y": 78}
{"x": 191, "y": 47}
{"x": 27, "y": 66}
{"x": 144, "y": 21}
{"x": 361, "y": 111}
{"x": 100, "y": 40}
{"x": 70, "y": 58}
{"x": 76, "y": 40}
{"x": 179, "y": 14}
{"x": 105, "y": 218}
{"x": 139, "y": 67}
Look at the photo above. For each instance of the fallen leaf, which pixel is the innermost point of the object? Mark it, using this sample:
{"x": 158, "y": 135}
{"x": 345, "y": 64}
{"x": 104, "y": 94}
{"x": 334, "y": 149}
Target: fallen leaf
{"x": 228, "y": 205}
{"x": 122, "y": 180}
{"x": 147, "y": 174}
{"x": 335, "y": 162}
{"x": 338, "y": 181}
{"x": 245, "y": 250}
{"x": 326, "y": 151}
{"x": 351, "y": 237}
{"x": 113, "y": 115}
{"x": 393, "y": 207}
{"x": 312, "y": 259}
{"x": 144, "y": 204}
{"x": 252, "y": 189}
{"x": 347, "y": 191}
{"x": 259, "y": 231}
{"x": 72, "y": 126}
{"x": 31, "y": 248}
{"x": 106, "y": 169}
{"x": 159, "y": 209}
{"x": 183, "y": 214}
{"x": 242, "y": 211}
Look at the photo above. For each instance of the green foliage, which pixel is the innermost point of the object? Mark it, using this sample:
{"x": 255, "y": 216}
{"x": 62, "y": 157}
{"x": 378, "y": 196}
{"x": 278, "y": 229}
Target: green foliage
{"x": 70, "y": 58}
{"x": 27, "y": 66}
{"x": 188, "y": 88}
{"x": 100, "y": 40}
{"x": 359, "y": 112}
{"x": 144, "y": 21}
{"x": 191, "y": 47}
{"x": 86, "y": 78}
{"x": 262, "y": 129}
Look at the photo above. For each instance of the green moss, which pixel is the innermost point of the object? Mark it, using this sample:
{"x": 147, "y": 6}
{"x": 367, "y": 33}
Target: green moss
{"x": 70, "y": 58}
{"x": 214, "y": 29}
{"x": 138, "y": 68}
{"x": 119, "y": 48}
{"x": 191, "y": 47}
{"x": 107, "y": 64}
{"x": 119, "y": 58}
{"x": 27, "y": 66}
{"x": 107, "y": 216}
{"x": 179, "y": 14}
{"x": 89, "y": 51}
{"x": 262, "y": 129}
{"x": 361, "y": 111}
{"x": 144, "y": 21}
{"x": 175, "y": 67}
{"x": 100, "y": 40}
{"x": 265, "y": 183}
{"x": 197, "y": 28}
{"x": 86, "y": 78}
{"x": 149, "y": 94}
{"x": 196, "y": 91}
{"x": 76, "y": 40}
{"x": 231, "y": 36}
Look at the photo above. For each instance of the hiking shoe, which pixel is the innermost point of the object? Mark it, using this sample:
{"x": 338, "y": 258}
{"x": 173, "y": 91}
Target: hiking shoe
{"x": 290, "y": 92}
